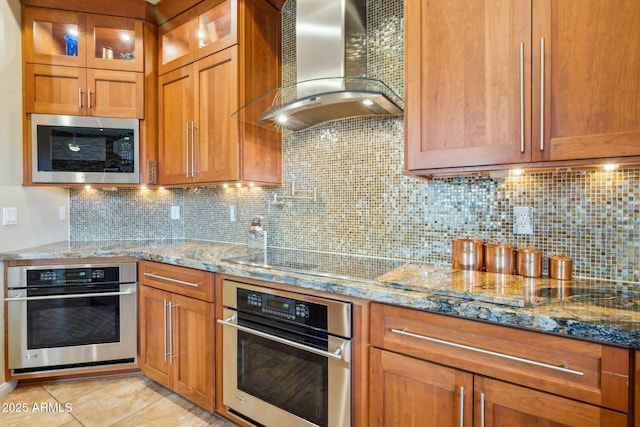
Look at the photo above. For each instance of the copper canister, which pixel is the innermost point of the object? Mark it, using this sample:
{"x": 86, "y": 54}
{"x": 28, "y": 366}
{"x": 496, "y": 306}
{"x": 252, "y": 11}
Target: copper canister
{"x": 560, "y": 267}
{"x": 468, "y": 254}
{"x": 499, "y": 258}
{"x": 529, "y": 262}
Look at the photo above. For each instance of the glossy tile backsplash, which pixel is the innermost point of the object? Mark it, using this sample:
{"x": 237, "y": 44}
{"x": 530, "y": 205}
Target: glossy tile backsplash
{"x": 366, "y": 206}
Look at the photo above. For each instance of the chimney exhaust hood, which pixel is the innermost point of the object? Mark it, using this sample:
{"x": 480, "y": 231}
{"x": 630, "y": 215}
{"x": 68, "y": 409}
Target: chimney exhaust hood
{"x": 331, "y": 65}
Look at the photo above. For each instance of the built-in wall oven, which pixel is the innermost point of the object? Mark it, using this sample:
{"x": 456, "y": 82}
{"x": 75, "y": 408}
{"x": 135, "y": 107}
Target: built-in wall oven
{"x": 71, "y": 316}
{"x": 286, "y": 357}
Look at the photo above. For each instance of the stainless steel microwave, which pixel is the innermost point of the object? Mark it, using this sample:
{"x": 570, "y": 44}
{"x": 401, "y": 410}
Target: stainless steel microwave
{"x": 82, "y": 149}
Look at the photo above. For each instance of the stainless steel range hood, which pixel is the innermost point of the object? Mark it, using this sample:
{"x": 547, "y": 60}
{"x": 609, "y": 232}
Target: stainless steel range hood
{"x": 331, "y": 65}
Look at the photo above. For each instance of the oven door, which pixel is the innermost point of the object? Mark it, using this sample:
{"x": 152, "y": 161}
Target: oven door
{"x": 277, "y": 376}
{"x": 65, "y": 325}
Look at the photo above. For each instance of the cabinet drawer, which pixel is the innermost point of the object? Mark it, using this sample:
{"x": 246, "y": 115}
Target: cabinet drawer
{"x": 585, "y": 371}
{"x": 180, "y": 280}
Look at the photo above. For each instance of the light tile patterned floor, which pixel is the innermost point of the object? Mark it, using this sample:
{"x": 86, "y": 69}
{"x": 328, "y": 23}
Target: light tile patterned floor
{"x": 122, "y": 401}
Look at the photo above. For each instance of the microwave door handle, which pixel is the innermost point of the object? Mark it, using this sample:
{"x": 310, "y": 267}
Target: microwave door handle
{"x": 337, "y": 355}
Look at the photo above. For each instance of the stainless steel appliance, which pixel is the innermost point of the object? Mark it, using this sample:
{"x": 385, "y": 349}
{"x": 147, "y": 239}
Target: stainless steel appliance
{"x": 286, "y": 357}
{"x": 82, "y": 149}
{"x": 71, "y": 316}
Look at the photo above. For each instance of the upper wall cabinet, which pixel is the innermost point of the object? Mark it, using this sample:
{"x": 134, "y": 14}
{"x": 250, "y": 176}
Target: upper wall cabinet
{"x": 82, "y": 64}
{"x": 492, "y": 84}
{"x": 57, "y": 37}
{"x": 198, "y": 32}
{"x": 202, "y": 138}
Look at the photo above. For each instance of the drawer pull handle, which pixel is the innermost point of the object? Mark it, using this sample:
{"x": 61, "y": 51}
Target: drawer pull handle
{"x": 168, "y": 279}
{"x": 488, "y": 352}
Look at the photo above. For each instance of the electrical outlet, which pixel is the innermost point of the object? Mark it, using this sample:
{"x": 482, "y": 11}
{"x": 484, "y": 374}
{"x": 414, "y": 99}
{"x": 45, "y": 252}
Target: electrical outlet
{"x": 522, "y": 220}
{"x": 232, "y": 214}
{"x": 175, "y": 212}
{"x": 62, "y": 213}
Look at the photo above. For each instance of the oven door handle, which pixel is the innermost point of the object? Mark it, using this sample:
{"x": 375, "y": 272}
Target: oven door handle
{"x": 104, "y": 294}
{"x": 337, "y": 355}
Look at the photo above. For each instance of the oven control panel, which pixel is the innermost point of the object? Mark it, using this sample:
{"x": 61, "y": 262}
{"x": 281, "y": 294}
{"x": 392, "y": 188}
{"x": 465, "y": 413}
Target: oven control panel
{"x": 59, "y": 276}
{"x": 304, "y": 312}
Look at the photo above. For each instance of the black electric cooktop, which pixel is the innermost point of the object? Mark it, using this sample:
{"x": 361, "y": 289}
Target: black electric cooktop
{"x": 321, "y": 263}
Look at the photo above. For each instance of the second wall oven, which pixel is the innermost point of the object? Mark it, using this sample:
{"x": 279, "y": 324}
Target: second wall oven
{"x": 286, "y": 357}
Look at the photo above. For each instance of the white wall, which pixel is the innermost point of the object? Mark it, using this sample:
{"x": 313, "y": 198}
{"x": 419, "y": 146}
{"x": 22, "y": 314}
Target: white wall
{"x": 38, "y": 207}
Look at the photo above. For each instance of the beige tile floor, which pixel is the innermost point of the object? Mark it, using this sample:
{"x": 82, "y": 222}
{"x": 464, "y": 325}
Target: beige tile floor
{"x": 122, "y": 401}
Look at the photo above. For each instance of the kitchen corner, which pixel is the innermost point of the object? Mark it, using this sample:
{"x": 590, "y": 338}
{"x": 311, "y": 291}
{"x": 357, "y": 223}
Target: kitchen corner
{"x": 485, "y": 141}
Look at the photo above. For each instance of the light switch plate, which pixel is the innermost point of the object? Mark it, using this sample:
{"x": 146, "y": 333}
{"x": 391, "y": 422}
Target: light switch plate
{"x": 9, "y": 216}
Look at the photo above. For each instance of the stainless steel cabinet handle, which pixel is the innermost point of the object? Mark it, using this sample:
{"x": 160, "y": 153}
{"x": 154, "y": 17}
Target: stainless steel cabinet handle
{"x": 171, "y": 355}
{"x": 89, "y": 99}
{"x": 168, "y": 279}
{"x": 164, "y": 329}
{"x": 79, "y": 98}
{"x": 482, "y": 398}
{"x": 522, "y": 97}
{"x": 542, "y": 94}
{"x": 337, "y": 355}
{"x": 193, "y": 149}
{"x": 186, "y": 145}
{"x": 461, "y": 406}
{"x": 488, "y": 352}
{"x": 104, "y": 294}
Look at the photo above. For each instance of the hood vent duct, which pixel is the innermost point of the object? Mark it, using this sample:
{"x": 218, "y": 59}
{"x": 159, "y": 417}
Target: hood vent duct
{"x": 331, "y": 60}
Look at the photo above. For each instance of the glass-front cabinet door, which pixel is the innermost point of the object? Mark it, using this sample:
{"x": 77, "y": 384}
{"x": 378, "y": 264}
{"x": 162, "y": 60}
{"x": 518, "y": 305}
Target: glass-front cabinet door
{"x": 54, "y": 37}
{"x": 199, "y": 32}
{"x": 114, "y": 43}
{"x": 82, "y": 40}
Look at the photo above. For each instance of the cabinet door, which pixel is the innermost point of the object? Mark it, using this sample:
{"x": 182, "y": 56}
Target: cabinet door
{"x": 216, "y": 98}
{"x": 175, "y": 124}
{"x": 114, "y": 43}
{"x": 407, "y": 392}
{"x": 502, "y": 404}
{"x": 192, "y": 323}
{"x": 591, "y": 105}
{"x": 216, "y": 26}
{"x": 200, "y": 31}
{"x": 50, "y": 89}
{"x": 153, "y": 335}
{"x": 175, "y": 43}
{"x": 53, "y": 37}
{"x": 115, "y": 93}
{"x": 467, "y": 69}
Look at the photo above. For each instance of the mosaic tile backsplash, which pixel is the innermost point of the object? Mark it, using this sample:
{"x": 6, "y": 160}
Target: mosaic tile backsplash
{"x": 366, "y": 206}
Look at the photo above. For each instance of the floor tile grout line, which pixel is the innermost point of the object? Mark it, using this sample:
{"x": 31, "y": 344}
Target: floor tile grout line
{"x": 43, "y": 386}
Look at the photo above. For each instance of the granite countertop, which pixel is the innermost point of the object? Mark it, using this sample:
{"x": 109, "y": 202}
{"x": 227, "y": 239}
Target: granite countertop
{"x": 604, "y": 311}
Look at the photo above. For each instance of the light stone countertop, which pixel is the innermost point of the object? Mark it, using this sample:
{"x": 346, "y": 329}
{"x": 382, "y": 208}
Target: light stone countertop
{"x": 604, "y": 311}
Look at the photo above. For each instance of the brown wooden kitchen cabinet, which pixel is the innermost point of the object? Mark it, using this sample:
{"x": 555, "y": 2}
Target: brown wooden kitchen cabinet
{"x": 101, "y": 76}
{"x": 177, "y": 330}
{"x": 434, "y": 370}
{"x": 201, "y": 140}
{"x": 492, "y": 84}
